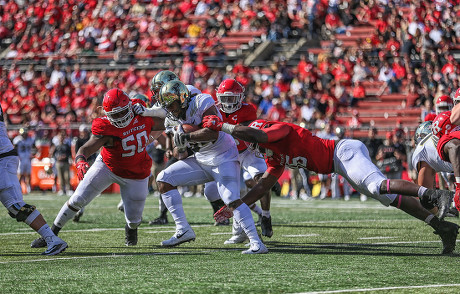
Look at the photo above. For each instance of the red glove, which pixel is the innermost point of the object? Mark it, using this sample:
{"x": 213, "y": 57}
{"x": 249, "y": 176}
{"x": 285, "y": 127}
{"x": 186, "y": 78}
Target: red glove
{"x": 223, "y": 214}
{"x": 82, "y": 168}
{"x": 457, "y": 196}
{"x": 212, "y": 122}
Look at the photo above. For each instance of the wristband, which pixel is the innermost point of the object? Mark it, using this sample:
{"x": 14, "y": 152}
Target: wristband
{"x": 228, "y": 128}
{"x": 80, "y": 156}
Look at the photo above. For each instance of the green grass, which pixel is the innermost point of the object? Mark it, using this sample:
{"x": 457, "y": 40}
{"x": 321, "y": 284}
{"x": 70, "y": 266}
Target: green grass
{"x": 317, "y": 246}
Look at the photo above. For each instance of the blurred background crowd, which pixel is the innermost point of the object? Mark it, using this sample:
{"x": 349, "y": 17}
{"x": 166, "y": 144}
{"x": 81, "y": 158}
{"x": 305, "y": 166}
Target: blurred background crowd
{"x": 342, "y": 68}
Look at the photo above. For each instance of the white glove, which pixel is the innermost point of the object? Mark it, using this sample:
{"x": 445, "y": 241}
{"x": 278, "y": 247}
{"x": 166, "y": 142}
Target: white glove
{"x": 138, "y": 109}
{"x": 179, "y": 138}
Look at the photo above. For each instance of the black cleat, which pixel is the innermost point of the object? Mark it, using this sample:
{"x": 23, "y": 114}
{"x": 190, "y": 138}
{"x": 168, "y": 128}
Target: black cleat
{"x": 443, "y": 199}
{"x": 277, "y": 189}
{"x": 159, "y": 221}
{"x": 130, "y": 236}
{"x": 38, "y": 243}
{"x": 259, "y": 220}
{"x": 77, "y": 216}
{"x": 453, "y": 212}
{"x": 448, "y": 232}
{"x": 266, "y": 226}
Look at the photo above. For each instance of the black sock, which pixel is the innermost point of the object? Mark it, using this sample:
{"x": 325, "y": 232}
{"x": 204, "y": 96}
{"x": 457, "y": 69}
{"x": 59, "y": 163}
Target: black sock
{"x": 55, "y": 229}
{"x": 216, "y": 205}
{"x": 163, "y": 213}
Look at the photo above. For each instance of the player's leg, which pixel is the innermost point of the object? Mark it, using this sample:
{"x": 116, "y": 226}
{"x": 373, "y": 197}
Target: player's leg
{"x": 133, "y": 193}
{"x": 227, "y": 177}
{"x": 367, "y": 179}
{"x": 182, "y": 173}
{"x": 11, "y": 198}
{"x": 212, "y": 194}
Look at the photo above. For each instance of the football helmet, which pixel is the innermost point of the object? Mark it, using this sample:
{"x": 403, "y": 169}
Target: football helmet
{"x": 441, "y": 126}
{"x": 230, "y": 95}
{"x": 422, "y": 131}
{"x": 457, "y": 96}
{"x": 171, "y": 92}
{"x": 161, "y": 78}
{"x": 254, "y": 147}
{"x": 118, "y": 108}
{"x": 143, "y": 98}
{"x": 443, "y": 103}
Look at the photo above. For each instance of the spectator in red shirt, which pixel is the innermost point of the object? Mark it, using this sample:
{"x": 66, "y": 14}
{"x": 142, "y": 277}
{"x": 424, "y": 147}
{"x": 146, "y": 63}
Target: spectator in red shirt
{"x": 276, "y": 112}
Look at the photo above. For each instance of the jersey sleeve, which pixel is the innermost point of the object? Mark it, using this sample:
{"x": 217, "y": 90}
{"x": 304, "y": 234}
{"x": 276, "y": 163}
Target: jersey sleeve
{"x": 101, "y": 127}
{"x": 204, "y": 103}
{"x": 276, "y": 132}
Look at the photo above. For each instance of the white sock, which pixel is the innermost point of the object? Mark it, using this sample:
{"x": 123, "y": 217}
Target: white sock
{"x": 256, "y": 209}
{"x": 266, "y": 213}
{"x": 242, "y": 214}
{"x": 173, "y": 202}
{"x": 236, "y": 228}
{"x": 45, "y": 232}
{"x": 64, "y": 215}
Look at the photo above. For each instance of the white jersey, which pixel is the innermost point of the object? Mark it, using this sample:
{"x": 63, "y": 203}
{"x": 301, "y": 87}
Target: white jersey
{"x": 223, "y": 149}
{"x": 24, "y": 147}
{"x": 426, "y": 151}
{"x": 5, "y": 143}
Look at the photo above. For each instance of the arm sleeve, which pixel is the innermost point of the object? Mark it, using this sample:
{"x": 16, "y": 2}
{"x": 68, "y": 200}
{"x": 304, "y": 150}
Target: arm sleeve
{"x": 276, "y": 132}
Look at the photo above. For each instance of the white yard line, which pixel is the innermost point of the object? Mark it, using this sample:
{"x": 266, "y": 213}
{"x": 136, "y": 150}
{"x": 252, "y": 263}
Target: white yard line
{"x": 381, "y": 289}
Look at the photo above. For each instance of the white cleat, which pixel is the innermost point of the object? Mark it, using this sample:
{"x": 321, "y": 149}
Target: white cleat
{"x": 56, "y": 246}
{"x": 256, "y": 248}
{"x": 180, "y": 237}
{"x": 236, "y": 239}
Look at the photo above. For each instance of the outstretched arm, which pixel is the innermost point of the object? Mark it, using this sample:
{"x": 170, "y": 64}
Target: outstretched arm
{"x": 266, "y": 182}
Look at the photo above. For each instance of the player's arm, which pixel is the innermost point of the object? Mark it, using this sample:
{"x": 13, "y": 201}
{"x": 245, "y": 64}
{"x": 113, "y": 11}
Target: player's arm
{"x": 263, "y": 186}
{"x": 426, "y": 175}
{"x": 89, "y": 148}
{"x": 455, "y": 115}
{"x": 204, "y": 134}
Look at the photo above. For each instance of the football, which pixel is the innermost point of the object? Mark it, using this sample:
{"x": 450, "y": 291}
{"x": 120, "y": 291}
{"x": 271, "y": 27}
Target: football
{"x": 188, "y": 128}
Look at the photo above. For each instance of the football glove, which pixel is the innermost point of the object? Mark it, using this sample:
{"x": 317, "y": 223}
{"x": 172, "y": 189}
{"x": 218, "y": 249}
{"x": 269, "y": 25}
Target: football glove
{"x": 457, "y": 196}
{"x": 223, "y": 214}
{"x": 180, "y": 138}
{"x": 138, "y": 109}
{"x": 82, "y": 168}
{"x": 213, "y": 122}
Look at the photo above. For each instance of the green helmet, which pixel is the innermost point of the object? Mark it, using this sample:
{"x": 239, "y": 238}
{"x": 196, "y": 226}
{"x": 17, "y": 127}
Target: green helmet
{"x": 171, "y": 92}
{"x": 143, "y": 98}
{"x": 422, "y": 131}
{"x": 159, "y": 80}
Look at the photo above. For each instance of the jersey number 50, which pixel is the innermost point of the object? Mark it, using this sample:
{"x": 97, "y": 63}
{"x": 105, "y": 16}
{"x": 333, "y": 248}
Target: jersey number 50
{"x": 132, "y": 147}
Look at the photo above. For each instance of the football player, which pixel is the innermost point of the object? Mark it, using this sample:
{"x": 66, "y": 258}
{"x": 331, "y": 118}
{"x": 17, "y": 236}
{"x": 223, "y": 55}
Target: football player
{"x": 443, "y": 103}
{"x": 427, "y": 162}
{"x": 24, "y": 145}
{"x": 230, "y": 96}
{"x": 286, "y": 144}
{"x": 123, "y": 136}
{"x": 11, "y": 195}
{"x": 446, "y": 133}
{"x": 216, "y": 159}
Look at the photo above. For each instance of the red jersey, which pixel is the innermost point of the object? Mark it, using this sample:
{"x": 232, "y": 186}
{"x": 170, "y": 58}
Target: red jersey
{"x": 247, "y": 112}
{"x": 298, "y": 149}
{"x": 455, "y": 134}
{"x": 127, "y": 157}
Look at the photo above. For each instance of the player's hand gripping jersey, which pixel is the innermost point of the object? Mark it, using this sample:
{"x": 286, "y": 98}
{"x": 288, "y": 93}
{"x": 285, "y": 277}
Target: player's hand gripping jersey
{"x": 298, "y": 148}
{"x": 127, "y": 157}
{"x": 246, "y": 113}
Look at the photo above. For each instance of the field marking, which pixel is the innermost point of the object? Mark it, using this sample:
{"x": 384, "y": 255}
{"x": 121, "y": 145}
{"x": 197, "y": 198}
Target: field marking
{"x": 305, "y": 235}
{"x": 380, "y": 289}
{"x": 377, "y": 237}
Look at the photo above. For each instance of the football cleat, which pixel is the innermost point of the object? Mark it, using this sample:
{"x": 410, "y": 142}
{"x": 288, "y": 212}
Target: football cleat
{"x": 130, "y": 236}
{"x": 77, "y": 216}
{"x": 256, "y": 248}
{"x": 159, "y": 221}
{"x": 38, "y": 243}
{"x": 266, "y": 226}
{"x": 453, "y": 212}
{"x": 443, "y": 199}
{"x": 180, "y": 237}
{"x": 120, "y": 206}
{"x": 55, "y": 246}
{"x": 448, "y": 232}
{"x": 237, "y": 239}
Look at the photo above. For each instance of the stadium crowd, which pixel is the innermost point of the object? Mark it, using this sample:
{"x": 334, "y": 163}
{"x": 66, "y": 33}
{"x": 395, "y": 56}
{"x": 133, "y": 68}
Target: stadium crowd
{"x": 409, "y": 52}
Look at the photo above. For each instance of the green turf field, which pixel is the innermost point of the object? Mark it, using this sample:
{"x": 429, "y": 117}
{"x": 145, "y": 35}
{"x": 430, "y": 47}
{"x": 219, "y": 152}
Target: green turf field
{"x": 327, "y": 246}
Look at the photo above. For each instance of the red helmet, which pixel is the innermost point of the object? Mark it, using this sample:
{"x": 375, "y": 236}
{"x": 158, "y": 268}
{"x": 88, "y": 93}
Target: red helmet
{"x": 441, "y": 126}
{"x": 230, "y": 95}
{"x": 443, "y": 103}
{"x": 117, "y": 107}
{"x": 457, "y": 96}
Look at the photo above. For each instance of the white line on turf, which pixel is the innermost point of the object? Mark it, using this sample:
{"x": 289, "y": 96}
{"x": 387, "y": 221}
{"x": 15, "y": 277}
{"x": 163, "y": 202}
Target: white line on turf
{"x": 377, "y": 237}
{"x": 381, "y": 289}
{"x": 296, "y": 236}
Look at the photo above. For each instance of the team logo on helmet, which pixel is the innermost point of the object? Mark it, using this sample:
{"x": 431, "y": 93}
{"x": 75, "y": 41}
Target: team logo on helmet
{"x": 118, "y": 108}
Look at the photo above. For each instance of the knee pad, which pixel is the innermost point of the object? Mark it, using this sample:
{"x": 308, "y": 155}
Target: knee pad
{"x": 22, "y": 211}
{"x": 133, "y": 226}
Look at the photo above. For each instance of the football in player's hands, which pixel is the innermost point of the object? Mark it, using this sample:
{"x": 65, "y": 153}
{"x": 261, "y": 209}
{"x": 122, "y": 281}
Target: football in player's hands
{"x": 189, "y": 128}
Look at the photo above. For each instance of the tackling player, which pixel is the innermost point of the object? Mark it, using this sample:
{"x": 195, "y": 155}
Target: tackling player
{"x": 12, "y": 199}
{"x": 123, "y": 136}
{"x": 216, "y": 159}
{"x": 286, "y": 144}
